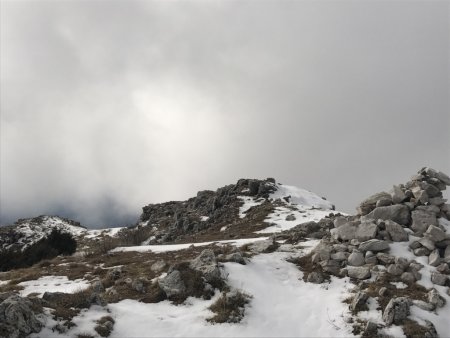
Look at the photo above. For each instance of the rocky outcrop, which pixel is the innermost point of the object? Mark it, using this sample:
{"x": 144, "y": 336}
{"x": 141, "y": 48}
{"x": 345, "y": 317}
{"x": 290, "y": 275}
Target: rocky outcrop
{"x": 203, "y": 211}
{"x": 19, "y": 317}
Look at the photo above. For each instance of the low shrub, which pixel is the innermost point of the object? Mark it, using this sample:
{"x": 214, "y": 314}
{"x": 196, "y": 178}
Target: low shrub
{"x": 56, "y": 243}
{"x": 230, "y": 307}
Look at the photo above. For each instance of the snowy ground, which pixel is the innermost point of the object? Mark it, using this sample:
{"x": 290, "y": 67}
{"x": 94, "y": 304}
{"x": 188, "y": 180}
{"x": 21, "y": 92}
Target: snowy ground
{"x": 282, "y": 305}
{"x": 176, "y": 247}
{"x": 53, "y": 284}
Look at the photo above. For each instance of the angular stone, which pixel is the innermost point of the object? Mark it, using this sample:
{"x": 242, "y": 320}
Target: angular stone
{"x": 427, "y": 243}
{"x": 423, "y": 305}
{"x": 18, "y": 318}
{"x": 366, "y": 231}
{"x": 397, "y": 194}
{"x": 383, "y": 202}
{"x": 374, "y": 245}
{"x": 395, "y": 269}
{"x": 421, "y": 220}
{"x": 435, "y": 298}
{"x": 236, "y": 257}
{"x": 434, "y": 259}
{"x": 340, "y": 256}
{"x": 356, "y": 258}
{"x": 408, "y": 278}
{"x": 371, "y": 260}
{"x": 369, "y": 203}
{"x": 172, "y": 284}
{"x": 396, "y": 231}
{"x": 437, "y": 201}
{"x": 206, "y": 263}
{"x": 438, "y": 174}
{"x": 443, "y": 268}
{"x": 438, "y": 278}
{"x": 158, "y": 266}
{"x": 421, "y": 252}
{"x": 385, "y": 258}
{"x": 358, "y": 272}
{"x": 435, "y": 233}
{"x": 359, "y": 302}
{"x": 396, "y": 311}
{"x": 345, "y": 232}
{"x": 397, "y": 213}
{"x": 415, "y": 245}
{"x": 315, "y": 277}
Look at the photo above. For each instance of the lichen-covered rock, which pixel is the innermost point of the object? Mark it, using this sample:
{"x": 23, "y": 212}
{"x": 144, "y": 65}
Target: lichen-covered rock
{"x": 396, "y": 311}
{"x": 315, "y": 277}
{"x": 206, "y": 263}
{"x": 438, "y": 278}
{"x": 172, "y": 284}
{"x": 435, "y": 298}
{"x": 18, "y": 318}
{"x": 359, "y": 301}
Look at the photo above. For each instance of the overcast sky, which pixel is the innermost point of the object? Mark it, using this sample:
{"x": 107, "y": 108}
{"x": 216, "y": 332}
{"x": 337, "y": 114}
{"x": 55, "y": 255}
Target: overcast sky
{"x": 107, "y": 106}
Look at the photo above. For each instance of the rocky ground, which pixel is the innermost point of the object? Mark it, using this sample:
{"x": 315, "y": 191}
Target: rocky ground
{"x": 251, "y": 259}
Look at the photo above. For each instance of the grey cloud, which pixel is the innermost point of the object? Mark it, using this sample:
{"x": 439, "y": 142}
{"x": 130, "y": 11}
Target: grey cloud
{"x": 109, "y": 105}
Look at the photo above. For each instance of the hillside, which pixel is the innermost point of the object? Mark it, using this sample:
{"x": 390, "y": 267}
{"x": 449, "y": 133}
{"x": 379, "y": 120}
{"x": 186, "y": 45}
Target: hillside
{"x": 255, "y": 258}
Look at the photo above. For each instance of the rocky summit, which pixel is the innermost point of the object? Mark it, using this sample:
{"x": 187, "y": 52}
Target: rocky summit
{"x": 255, "y": 258}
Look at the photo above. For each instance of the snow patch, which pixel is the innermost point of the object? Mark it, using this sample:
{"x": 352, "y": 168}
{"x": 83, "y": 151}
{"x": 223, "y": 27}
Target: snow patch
{"x": 176, "y": 247}
{"x": 248, "y": 202}
{"x": 300, "y": 197}
{"x": 53, "y": 284}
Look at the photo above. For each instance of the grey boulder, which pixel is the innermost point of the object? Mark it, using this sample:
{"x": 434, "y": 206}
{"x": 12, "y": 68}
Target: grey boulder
{"x": 17, "y": 317}
{"x": 421, "y": 220}
{"x": 396, "y": 231}
{"x": 396, "y": 311}
{"x": 206, "y": 263}
{"x": 172, "y": 284}
{"x": 373, "y": 245}
{"x": 398, "y": 213}
{"x": 358, "y": 272}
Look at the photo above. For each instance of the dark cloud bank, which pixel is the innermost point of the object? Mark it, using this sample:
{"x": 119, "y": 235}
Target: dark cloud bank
{"x": 110, "y": 105}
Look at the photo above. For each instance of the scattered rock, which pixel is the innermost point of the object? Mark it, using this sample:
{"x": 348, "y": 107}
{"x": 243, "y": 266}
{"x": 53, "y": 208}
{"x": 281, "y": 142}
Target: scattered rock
{"x": 358, "y": 272}
{"x": 435, "y": 233}
{"x": 235, "y": 257}
{"x": 395, "y": 269}
{"x": 158, "y": 266}
{"x": 421, "y": 220}
{"x": 374, "y": 245}
{"x": 396, "y": 311}
{"x": 18, "y": 317}
{"x": 396, "y": 231}
{"x": 98, "y": 287}
{"x": 423, "y": 305}
{"x": 290, "y": 217}
{"x": 438, "y": 278}
{"x": 398, "y": 213}
{"x": 398, "y": 195}
{"x": 315, "y": 277}
{"x": 435, "y": 298}
{"x": 434, "y": 259}
{"x": 366, "y": 231}
{"x": 356, "y": 258}
{"x": 408, "y": 278}
{"x": 206, "y": 263}
{"x": 359, "y": 302}
{"x": 369, "y": 203}
{"x": 172, "y": 284}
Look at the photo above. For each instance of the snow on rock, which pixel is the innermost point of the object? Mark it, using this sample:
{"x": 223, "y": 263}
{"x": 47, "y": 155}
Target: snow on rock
{"x": 300, "y": 197}
{"x": 29, "y": 231}
{"x": 300, "y": 206}
{"x": 279, "y": 219}
{"x": 53, "y": 284}
{"x": 111, "y": 232}
{"x": 282, "y": 305}
{"x": 248, "y": 202}
{"x": 176, "y": 247}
